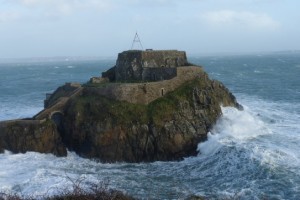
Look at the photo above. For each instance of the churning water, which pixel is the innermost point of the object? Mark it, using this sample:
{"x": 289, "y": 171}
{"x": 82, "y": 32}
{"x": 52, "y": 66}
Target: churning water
{"x": 249, "y": 154}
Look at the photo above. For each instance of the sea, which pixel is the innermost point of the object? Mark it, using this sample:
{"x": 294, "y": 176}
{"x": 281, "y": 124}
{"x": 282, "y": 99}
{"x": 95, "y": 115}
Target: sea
{"x": 249, "y": 154}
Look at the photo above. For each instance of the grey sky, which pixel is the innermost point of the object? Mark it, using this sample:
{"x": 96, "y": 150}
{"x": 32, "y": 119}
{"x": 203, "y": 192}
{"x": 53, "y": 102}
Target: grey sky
{"x": 42, "y": 28}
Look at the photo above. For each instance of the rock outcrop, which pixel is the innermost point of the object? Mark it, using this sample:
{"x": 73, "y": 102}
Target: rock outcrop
{"x": 20, "y": 136}
{"x": 141, "y": 120}
{"x": 168, "y": 128}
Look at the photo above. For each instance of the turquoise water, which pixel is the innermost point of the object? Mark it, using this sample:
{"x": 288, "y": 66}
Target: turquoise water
{"x": 250, "y": 154}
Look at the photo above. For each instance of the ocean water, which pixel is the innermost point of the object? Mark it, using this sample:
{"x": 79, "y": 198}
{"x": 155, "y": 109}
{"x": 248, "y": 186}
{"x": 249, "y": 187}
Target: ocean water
{"x": 249, "y": 154}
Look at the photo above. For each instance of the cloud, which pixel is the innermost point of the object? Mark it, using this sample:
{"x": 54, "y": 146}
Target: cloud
{"x": 65, "y": 7}
{"x": 244, "y": 19}
{"x": 8, "y": 16}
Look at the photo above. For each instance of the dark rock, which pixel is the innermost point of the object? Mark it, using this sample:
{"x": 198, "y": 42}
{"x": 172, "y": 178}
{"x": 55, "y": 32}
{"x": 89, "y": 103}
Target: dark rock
{"x": 195, "y": 197}
{"x": 110, "y": 74}
{"x": 168, "y": 128}
{"x": 20, "y": 136}
{"x": 132, "y": 122}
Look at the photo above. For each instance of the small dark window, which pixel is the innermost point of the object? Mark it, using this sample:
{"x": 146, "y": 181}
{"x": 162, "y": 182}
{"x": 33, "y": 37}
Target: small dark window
{"x": 162, "y": 92}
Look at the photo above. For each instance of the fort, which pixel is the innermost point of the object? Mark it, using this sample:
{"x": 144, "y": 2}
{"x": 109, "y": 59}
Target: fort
{"x": 146, "y": 92}
{"x": 138, "y": 77}
{"x": 152, "y": 105}
{"x": 149, "y": 65}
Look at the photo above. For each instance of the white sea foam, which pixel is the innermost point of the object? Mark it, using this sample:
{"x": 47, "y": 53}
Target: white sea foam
{"x": 269, "y": 130}
{"x": 243, "y": 145}
{"x": 264, "y": 132}
{"x": 248, "y": 153}
{"x": 17, "y": 112}
{"x": 257, "y": 147}
{"x": 39, "y": 174}
{"x": 234, "y": 126}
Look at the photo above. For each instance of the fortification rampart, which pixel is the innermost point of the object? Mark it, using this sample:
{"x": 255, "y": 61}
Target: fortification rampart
{"x": 59, "y": 103}
{"x": 144, "y": 93}
{"x": 165, "y": 70}
{"x": 147, "y": 65}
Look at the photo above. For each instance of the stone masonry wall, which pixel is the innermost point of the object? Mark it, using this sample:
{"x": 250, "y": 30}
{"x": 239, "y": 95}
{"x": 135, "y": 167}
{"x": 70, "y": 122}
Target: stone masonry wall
{"x": 140, "y": 65}
{"x": 159, "y": 74}
{"x": 144, "y": 93}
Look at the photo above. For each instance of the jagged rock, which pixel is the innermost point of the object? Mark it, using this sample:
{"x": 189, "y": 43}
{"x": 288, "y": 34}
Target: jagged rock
{"x": 20, "y": 136}
{"x": 161, "y": 112}
{"x": 168, "y": 128}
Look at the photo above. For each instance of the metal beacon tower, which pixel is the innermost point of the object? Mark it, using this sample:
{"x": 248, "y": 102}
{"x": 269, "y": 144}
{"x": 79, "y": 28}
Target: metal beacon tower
{"x": 136, "y": 42}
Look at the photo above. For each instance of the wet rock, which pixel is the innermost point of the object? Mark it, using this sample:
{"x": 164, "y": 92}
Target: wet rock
{"x": 160, "y": 109}
{"x": 168, "y": 128}
{"x": 20, "y": 136}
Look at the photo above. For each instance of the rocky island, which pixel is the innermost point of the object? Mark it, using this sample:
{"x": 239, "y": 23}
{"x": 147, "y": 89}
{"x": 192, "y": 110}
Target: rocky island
{"x": 152, "y": 105}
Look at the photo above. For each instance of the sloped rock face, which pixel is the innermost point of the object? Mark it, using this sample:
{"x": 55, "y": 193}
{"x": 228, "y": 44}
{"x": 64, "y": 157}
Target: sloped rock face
{"x": 97, "y": 126}
{"x": 168, "y": 128}
{"x": 20, "y": 136}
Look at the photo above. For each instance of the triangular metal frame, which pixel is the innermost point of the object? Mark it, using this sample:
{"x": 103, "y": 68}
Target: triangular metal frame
{"x": 136, "y": 39}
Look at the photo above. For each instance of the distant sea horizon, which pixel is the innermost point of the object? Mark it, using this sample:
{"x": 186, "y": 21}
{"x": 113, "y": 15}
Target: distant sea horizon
{"x": 113, "y": 57}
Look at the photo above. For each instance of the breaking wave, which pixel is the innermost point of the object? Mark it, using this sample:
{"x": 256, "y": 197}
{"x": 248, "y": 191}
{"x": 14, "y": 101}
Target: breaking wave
{"x": 247, "y": 155}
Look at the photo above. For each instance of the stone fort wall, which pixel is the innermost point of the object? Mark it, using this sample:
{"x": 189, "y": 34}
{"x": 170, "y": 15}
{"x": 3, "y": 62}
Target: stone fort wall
{"x": 148, "y": 65}
{"x": 144, "y": 93}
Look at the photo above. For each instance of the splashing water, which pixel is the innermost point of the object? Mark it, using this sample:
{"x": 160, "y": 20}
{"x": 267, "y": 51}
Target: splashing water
{"x": 249, "y": 154}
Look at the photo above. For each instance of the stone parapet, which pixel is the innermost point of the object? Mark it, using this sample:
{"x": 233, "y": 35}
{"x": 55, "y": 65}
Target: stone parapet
{"x": 144, "y": 93}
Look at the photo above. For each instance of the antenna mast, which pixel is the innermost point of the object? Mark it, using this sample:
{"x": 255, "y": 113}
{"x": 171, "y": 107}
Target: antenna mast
{"x": 136, "y": 39}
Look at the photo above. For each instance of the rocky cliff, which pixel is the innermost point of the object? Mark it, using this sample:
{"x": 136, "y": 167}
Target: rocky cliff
{"x": 95, "y": 126}
{"x": 132, "y": 122}
{"x": 20, "y": 136}
{"x": 168, "y": 128}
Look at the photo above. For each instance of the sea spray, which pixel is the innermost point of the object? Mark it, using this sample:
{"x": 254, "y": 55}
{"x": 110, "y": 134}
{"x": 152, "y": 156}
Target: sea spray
{"x": 233, "y": 127}
{"x": 257, "y": 160}
{"x": 232, "y": 162}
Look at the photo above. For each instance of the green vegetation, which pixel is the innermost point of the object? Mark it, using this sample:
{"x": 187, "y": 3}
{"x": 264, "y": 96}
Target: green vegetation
{"x": 163, "y": 108}
{"x": 100, "y": 108}
{"x": 97, "y": 107}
